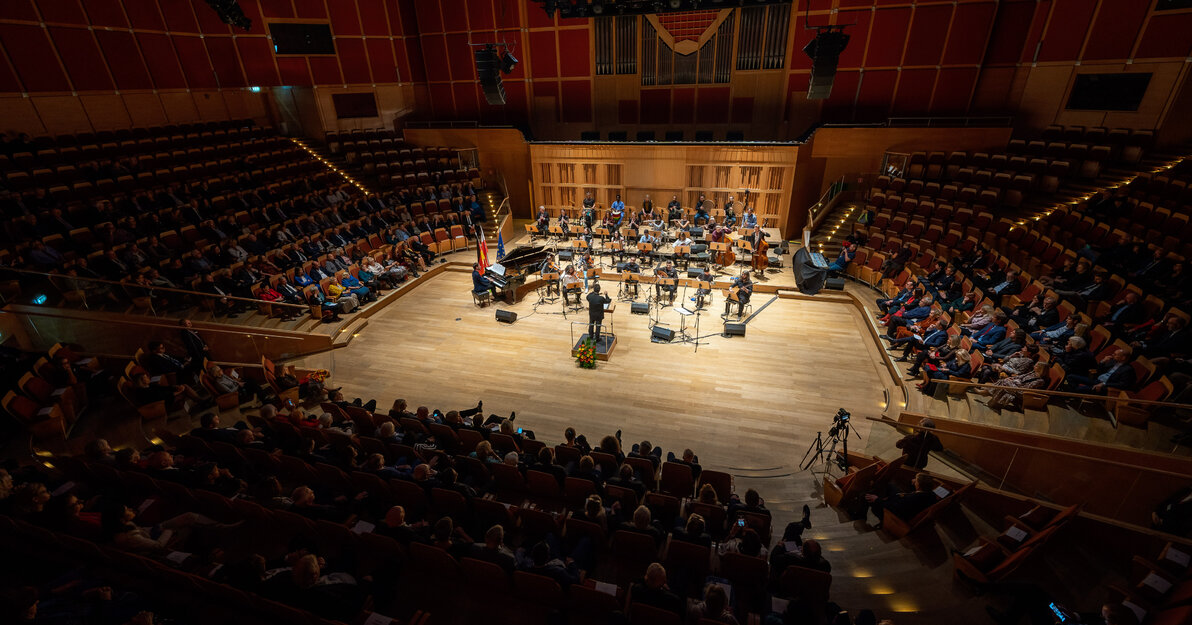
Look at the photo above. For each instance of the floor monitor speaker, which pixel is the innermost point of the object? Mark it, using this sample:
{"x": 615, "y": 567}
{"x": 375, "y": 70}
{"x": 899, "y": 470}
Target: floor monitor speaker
{"x": 639, "y": 308}
{"x": 834, "y": 284}
{"x": 734, "y": 329}
{"x": 508, "y": 316}
{"x": 662, "y": 334}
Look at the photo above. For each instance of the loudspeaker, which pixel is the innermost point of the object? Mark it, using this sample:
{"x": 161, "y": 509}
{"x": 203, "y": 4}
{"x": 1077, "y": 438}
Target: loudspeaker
{"x": 734, "y": 329}
{"x": 508, "y": 316}
{"x": 835, "y": 284}
{"x": 662, "y": 334}
{"x": 488, "y": 68}
{"x": 639, "y": 308}
{"x": 824, "y": 51}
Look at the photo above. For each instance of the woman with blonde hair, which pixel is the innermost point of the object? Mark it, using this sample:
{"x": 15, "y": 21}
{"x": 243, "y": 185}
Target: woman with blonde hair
{"x": 484, "y": 453}
{"x": 959, "y": 367}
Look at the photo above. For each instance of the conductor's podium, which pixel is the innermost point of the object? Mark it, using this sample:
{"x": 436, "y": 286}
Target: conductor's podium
{"x": 608, "y": 340}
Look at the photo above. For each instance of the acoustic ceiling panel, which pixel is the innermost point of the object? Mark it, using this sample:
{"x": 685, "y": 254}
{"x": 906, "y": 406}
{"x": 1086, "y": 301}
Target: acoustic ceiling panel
{"x": 209, "y": 22}
{"x": 430, "y": 20}
{"x": 1166, "y": 36}
{"x": 344, "y": 19}
{"x": 968, "y": 33}
{"x": 1067, "y": 29}
{"x": 29, "y": 50}
{"x": 310, "y": 9}
{"x": 929, "y": 29}
{"x": 888, "y": 37}
{"x": 460, "y": 57}
{"x": 179, "y": 16}
{"x": 18, "y": 10}
{"x": 225, "y": 62}
{"x": 854, "y": 52}
{"x": 543, "y": 58}
{"x": 480, "y": 14}
{"x": 80, "y": 54}
{"x": 353, "y": 61}
{"x": 159, "y": 54}
{"x": 953, "y": 89}
{"x": 277, "y": 8}
{"x": 142, "y": 13}
{"x": 324, "y": 70}
{"x": 374, "y": 19}
{"x": 124, "y": 59}
{"x": 1115, "y": 28}
{"x": 257, "y": 59}
{"x": 466, "y": 104}
{"x": 914, "y": 91}
{"x": 111, "y": 13}
{"x": 1009, "y": 33}
{"x": 839, "y": 106}
{"x": 61, "y": 12}
{"x": 434, "y": 54}
{"x": 441, "y": 100}
{"x": 196, "y": 65}
{"x": 873, "y": 96}
{"x": 575, "y": 53}
{"x": 293, "y": 71}
{"x": 380, "y": 58}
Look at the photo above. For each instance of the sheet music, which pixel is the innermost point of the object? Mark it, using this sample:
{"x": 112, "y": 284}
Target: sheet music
{"x": 683, "y": 311}
{"x": 606, "y": 588}
{"x": 1178, "y": 557}
{"x": 1016, "y": 534}
{"x": 1158, "y": 583}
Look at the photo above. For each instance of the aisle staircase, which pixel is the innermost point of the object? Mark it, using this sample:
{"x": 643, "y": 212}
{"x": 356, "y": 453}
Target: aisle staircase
{"x": 826, "y": 238}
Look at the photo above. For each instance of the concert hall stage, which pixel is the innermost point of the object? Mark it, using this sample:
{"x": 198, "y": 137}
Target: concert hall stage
{"x": 756, "y": 400}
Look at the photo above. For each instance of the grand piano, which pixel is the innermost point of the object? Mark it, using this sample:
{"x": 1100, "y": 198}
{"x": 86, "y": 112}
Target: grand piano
{"x": 511, "y": 274}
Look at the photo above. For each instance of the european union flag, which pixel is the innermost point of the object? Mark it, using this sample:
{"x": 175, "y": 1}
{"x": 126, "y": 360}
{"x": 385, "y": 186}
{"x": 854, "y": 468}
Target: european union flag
{"x": 500, "y": 247}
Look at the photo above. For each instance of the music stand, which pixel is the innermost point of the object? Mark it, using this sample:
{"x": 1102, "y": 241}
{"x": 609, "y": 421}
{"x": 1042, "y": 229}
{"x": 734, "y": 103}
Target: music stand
{"x": 660, "y": 282}
{"x": 629, "y": 280}
{"x": 551, "y": 279}
{"x": 556, "y": 232}
{"x": 532, "y": 230}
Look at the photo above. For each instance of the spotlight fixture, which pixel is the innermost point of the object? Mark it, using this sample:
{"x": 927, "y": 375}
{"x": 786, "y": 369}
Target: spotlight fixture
{"x": 230, "y": 13}
{"x": 508, "y": 62}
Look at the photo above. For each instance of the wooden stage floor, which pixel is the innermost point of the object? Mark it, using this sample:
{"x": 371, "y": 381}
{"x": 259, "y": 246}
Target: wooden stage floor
{"x": 753, "y": 402}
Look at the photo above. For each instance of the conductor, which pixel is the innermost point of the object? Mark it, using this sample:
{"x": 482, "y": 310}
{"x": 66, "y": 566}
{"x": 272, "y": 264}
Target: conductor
{"x": 596, "y": 303}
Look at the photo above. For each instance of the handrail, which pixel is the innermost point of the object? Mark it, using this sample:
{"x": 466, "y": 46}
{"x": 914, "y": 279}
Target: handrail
{"x": 118, "y": 319}
{"x": 897, "y": 424}
{"x": 823, "y": 204}
{"x": 54, "y": 277}
{"x": 1057, "y": 393}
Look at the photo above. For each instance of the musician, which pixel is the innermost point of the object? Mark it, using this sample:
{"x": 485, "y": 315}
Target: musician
{"x": 617, "y": 211}
{"x": 618, "y": 237}
{"x": 647, "y": 237}
{"x": 683, "y": 225}
{"x": 565, "y": 225}
{"x": 586, "y": 263}
{"x": 744, "y": 286}
{"x": 701, "y": 293}
{"x": 480, "y": 283}
{"x": 755, "y": 239}
{"x": 666, "y": 271}
{"x": 633, "y": 268}
{"x": 596, "y": 303}
{"x": 589, "y": 210}
{"x": 674, "y": 210}
{"x": 750, "y": 218}
{"x": 730, "y": 215}
{"x": 647, "y": 210}
{"x": 700, "y": 211}
{"x": 683, "y": 238}
{"x": 543, "y": 220}
{"x": 570, "y": 281}
{"x": 717, "y": 232}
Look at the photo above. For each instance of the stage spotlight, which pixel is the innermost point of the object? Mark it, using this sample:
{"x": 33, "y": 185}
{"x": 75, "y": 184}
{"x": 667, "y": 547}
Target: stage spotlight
{"x": 230, "y": 13}
{"x": 674, "y": 4}
{"x": 508, "y": 62}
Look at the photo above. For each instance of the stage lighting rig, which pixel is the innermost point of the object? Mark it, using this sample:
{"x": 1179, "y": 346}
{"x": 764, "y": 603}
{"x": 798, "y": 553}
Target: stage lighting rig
{"x": 230, "y": 13}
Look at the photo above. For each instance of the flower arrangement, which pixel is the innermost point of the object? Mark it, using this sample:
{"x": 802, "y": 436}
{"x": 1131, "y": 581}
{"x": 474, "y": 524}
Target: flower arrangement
{"x": 586, "y": 355}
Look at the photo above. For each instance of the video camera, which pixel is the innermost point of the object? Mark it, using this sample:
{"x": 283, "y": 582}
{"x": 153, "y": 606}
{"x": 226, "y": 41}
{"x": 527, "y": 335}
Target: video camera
{"x": 840, "y": 423}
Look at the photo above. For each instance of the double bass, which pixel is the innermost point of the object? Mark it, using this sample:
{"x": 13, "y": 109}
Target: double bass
{"x": 759, "y": 261}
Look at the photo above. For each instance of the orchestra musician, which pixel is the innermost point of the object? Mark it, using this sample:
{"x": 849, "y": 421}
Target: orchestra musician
{"x": 565, "y": 225}
{"x": 543, "y": 220}
{"x": 633, "y": 268}
{"x": 648, "y": 237}
{"x": 683, "y": 238}
{"x": 701, "y": 293}
{"x": 617, "y": 211}
{"x": 683, "y": 225}
{"x": 674, "y": 210}
{"x": 549, "y": 266}
{"x": 647, "y": 211}
{"x": 730, "y": 216}
{"x": 596, "y": 303}
{"x": 589, "y": 210}
{"x": 757, "y": 240}
{"x": 586, "y": 263}
{"x": 570, "y": 281}
{"x": 744, "y": 287}
{"x": 717, "y": 233}
{"x": 701, "y": 212}
{"x": 750, "y": 218}
{"x": 666, "y": 271}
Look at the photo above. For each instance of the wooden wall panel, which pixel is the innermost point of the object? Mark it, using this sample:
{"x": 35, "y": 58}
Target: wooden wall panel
{"x": 145, "y": 109}
{"x": 179, "y": 108}
{"x": 210, "y": 106}
{"x": 20, "y": 115}
{"x": 106, "y": 111}
{"x": 62, "y": 114}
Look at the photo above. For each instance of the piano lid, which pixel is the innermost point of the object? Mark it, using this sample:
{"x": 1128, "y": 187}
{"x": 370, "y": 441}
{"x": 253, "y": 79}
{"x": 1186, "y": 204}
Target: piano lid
{"x": 525, "y": 256}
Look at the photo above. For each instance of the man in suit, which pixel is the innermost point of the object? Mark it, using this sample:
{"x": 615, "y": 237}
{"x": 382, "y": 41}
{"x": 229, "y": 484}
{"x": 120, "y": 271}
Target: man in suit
{"x": 905, "y": 505}
{"x": 1006, "y": 347}
{"x": 596, "y": 303}
{"x": 1095, "y": 291}
{"x": 912, "y": 314}
{"x": 937, "y": 337}
{"x": 916, "y": 445}
{"x": 1126, "y": 313}
{"x": 1113, "y": 372}
{"x": 480, "y": 283}
{"x": 992, "y": 333}
{"x": 1008, "y": 286}
{"x": 885, "y": 304}
{"x": 195, "y": 345}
